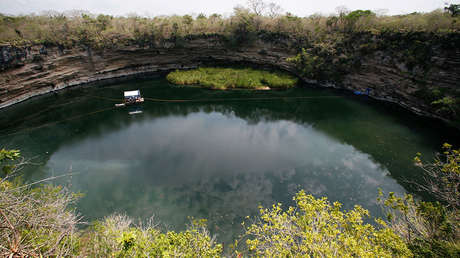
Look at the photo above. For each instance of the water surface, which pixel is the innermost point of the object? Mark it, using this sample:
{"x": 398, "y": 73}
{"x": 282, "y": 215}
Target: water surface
{"x": 221, "y": 156}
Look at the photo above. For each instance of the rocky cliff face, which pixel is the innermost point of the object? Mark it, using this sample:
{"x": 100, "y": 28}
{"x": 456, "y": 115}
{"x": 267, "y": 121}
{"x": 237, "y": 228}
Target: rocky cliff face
{"x": 35, "y": 70}
{"x": 390, "y": 79}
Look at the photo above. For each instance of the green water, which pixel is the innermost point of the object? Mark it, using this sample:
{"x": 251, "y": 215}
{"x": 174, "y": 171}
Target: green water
{"x": 221, "y": 157}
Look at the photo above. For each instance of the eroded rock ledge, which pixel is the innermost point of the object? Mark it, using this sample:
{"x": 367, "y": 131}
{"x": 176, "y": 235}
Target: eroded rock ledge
{"x": 31, "y": 71}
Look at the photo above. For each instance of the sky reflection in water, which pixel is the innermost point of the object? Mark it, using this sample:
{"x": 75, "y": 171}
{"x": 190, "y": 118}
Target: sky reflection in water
{"x": 218, "y": 160}
{"x": 215, "y": 166}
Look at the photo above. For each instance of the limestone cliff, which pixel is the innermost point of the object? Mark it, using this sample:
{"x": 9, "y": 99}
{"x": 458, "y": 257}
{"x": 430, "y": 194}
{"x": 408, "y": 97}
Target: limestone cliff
{"x": 31, "y": 71}
{"x": 36, "y": 70}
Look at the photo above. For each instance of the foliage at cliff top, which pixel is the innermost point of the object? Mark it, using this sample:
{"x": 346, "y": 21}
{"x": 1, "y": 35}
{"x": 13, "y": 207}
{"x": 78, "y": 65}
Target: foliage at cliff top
{"x": 80, "y": 28}
{"x": 229, "y": 78}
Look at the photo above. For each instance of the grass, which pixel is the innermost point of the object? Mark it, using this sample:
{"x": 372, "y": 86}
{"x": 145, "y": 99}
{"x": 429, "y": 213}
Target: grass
{"x": 231, "y": 78}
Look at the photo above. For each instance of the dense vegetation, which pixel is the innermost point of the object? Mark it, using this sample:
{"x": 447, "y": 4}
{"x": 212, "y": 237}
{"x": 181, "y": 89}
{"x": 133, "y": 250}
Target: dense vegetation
{"x": 431, "y": 229}
{"x": 80, "y": 28}
{"x": 40, "y": 221}
{"x": 229, "y": 78}
{"x": 320, "y": 229}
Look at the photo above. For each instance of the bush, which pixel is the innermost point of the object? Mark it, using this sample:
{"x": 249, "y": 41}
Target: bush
{"x": 317, "y": 228}
{"x": 447, "y": 105}
{"x": 431, "y": 229}
{"x": 35, "y": 221}
{"x": 117, "y": 236}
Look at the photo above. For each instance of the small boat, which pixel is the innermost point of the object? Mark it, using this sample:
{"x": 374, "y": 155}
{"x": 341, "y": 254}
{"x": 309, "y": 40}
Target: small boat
{"x": 368, "y": 90}
{"x": 135, "y": 112}
{"x": 131, "y": 97}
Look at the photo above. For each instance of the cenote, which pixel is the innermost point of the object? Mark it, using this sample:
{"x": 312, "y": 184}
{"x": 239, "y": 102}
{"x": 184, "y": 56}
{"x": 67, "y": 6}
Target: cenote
{"x": 220, "y": 156}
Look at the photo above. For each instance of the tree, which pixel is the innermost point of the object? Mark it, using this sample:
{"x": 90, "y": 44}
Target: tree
{"x": 260, "y": 8}
{"x": 35, "y": 222}
{"x": 331, "y": 22}
{"x": 430, "y": 229}
{"x": 188, "y": 19}
{"x": 257, "y": 6}
{"x": 442, "y": 177}
{"x": 453, "y": 9}
{"x": 352, "y": 18}
{"x": 342, "y": 10}
{"x": 274, "y": 10}
{"x": 309, "y": 64}
{"x": 201, "y": 16}
{"x": 447, "y": 105}
{"x": 317, "y": 228}
{"x": 103, "y": 21}
{"x": 245, "y": 26}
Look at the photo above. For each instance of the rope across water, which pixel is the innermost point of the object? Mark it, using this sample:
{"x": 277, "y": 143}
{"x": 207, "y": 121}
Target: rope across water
{"x": 222, "y": 99}
{"x": 2, "y": 135}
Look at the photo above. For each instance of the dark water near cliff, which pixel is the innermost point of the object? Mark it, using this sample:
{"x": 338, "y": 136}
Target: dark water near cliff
{"x": 221, "y": 157}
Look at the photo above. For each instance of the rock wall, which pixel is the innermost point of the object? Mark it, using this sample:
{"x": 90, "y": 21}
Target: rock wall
{"x": 391, "y": 80}
{"x": 36, "y": 70}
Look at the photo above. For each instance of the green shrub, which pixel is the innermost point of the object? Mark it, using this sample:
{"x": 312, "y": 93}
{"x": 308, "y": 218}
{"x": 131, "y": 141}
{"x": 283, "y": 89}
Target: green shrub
{"x": 117, "y": 236}
{"x": 228, "y": 78}
{"x": 431, "y": 229}
{"x": 317, "y": 228}
{"x": 447, "y": 105}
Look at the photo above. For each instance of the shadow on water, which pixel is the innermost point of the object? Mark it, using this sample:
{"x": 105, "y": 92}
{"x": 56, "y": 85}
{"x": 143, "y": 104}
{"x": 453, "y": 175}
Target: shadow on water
{"x": 220, "y": 158}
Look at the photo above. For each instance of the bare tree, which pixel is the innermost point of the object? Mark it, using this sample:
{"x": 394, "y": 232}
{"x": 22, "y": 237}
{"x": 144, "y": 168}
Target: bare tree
{"x": 75, "y": 13}
{"x": 274, "y": 10}
{"x": 257, "y": 6}
{"x": 381, "y": 12}
{"x": 342, "y": 10}
{"x": 442, "y": 177}
{"x": 28, "y": 215}
{"x": 33, "y": 222}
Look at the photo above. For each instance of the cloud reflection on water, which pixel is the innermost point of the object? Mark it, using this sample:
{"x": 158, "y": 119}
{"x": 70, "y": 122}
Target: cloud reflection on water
{"x": 215, "y": 166}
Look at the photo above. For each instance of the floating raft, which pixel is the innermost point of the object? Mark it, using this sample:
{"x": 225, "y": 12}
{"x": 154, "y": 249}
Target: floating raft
{"x": 131, "y": 97}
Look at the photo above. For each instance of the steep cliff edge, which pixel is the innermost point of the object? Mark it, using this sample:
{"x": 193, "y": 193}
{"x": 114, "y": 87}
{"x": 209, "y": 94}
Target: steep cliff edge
{"x": 416, "y": 74}
{"x": 36, "y": 70}
{"x": 391, "y": 76}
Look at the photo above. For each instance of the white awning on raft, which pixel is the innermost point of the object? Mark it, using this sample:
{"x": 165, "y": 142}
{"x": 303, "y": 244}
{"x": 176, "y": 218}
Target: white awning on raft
{"x": 134, "y": 93}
